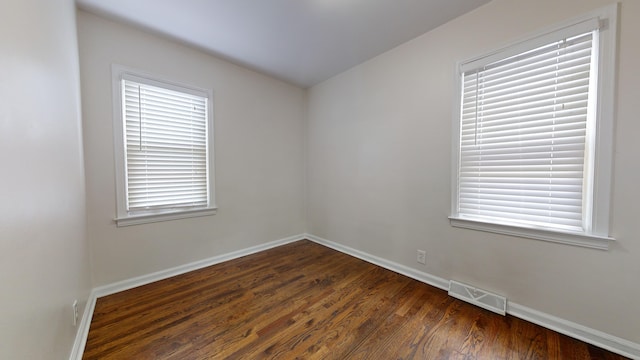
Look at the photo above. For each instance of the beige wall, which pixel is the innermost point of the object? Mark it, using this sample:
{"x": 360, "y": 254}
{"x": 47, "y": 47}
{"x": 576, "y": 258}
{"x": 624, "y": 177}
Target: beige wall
{"x": 378, "y": 168}
{"x": 258, "y": 154}
{"x": 379, "y": 159}
{"x": 44, "y": 258}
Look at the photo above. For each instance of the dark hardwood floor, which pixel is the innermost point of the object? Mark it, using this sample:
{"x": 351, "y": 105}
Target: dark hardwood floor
{"x": 306, "y": 301}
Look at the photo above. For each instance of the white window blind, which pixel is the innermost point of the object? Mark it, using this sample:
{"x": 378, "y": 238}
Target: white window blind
{"x": 526, "y": 133}
{"x": 166, "y": 158}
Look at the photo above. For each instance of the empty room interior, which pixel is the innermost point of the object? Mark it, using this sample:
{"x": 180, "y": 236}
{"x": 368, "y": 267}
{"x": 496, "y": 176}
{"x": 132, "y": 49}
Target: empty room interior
{"x": 322, "y": 179}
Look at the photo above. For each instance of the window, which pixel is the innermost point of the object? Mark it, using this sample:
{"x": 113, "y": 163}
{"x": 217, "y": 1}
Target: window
{"x": 163, "y": 143}
{"x": 533, "y": 136}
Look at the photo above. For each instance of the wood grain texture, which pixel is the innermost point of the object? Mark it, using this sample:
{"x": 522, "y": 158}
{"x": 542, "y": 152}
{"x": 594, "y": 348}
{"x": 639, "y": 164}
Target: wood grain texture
{"x": 306, "y": 301}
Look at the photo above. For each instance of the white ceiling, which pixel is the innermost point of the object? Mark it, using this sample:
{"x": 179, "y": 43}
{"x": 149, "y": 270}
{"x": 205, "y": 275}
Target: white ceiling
{"x": 300, "y": 41}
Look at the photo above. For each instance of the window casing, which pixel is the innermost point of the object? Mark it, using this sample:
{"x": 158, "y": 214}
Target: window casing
{"x": 533, "y": 135}
{"x": 163, "y": 138}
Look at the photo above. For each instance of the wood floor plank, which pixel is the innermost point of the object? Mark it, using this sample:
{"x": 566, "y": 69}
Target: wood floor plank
{"x": 306, "y": 301}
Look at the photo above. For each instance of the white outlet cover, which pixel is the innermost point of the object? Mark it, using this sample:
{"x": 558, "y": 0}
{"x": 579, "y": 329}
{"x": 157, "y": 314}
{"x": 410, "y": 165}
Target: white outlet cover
{"x": 74, "y": 312}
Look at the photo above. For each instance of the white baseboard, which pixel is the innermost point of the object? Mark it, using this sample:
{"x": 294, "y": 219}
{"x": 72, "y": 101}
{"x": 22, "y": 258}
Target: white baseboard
{"x": 85, "y": 323}
{"x": 588, "y": 335}
{"x": 83, "y": 329}
{"x": 393, "y": 266}
{"x": 577, "y": 331}
{"x": 178, "y": 270}
{"x": 592, "y": 336}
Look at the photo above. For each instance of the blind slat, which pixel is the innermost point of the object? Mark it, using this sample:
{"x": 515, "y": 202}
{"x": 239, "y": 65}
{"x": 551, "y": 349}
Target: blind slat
{"x": 166, "y": 147}
{"x": 523, "y": 132}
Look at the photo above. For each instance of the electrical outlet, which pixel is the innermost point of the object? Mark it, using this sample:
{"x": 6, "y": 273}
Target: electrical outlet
{"x": 422, "y": 257}
{"x": 74, "y": 312}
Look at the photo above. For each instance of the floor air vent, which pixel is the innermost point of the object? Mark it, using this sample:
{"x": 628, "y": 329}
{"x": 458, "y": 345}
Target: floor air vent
{"x": 478, "y": 297}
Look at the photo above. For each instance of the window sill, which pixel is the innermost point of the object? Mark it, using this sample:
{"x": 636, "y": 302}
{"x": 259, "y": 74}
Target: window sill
{"x": 164, "y": 216}
{"x": 569, "y": 238}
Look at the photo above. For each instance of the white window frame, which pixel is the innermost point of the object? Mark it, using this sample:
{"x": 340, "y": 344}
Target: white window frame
{"x": 598, "y": 236}
{"x": 124, "y": 217}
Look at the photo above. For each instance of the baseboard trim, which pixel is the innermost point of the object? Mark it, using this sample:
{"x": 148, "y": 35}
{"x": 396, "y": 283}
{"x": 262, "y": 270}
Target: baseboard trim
{"x": 580, "y": 332}
{"x": 574, "y": 330}
{"x": 83, "y": 329}
{"x": 592, "y": 336}
{"x": 390, "y": 265}
{"x": 196, "y": 265}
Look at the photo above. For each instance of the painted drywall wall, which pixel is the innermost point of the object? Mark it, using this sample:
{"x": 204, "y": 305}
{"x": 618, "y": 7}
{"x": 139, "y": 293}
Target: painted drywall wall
{"x": 379, "y": 159}
{"x": 44, "y": 257}
{"x": 258, "y": 154}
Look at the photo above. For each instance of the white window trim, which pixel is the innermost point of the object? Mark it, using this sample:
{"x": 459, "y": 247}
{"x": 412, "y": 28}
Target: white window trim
{"x": 123, "y": 217}
{"x": 598, "y": 237}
